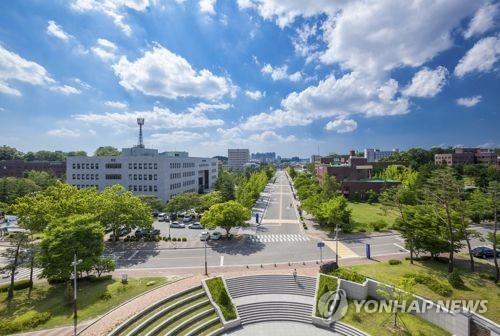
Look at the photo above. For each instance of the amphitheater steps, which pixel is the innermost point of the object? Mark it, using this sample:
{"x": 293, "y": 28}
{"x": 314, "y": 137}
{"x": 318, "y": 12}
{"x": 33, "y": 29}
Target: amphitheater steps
{"x": 271, "y": 284}
{"x": 275, "y": 311}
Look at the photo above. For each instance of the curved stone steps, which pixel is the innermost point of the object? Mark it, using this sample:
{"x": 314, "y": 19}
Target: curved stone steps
{"x": 271, "y": 284}
{"x": 275, "y": 311}
{"x": 202, "y": 327}
{"x": 346, "y": 330}
{"x": 192, "y": 320}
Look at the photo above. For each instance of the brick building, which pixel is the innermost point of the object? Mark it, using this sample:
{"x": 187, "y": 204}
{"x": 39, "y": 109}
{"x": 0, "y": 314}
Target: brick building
{"x": 462, "y": 156}
{"x": 17, "y": 168}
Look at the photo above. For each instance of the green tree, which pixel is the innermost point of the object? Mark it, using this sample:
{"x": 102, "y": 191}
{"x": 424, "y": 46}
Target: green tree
{"x": 12, "y": 187}
{"x": 207, "y": 200}
{"x": 152, "y": 201}
{"x": 41, "y": 178}
{"x": 107, "y": 151}
{"x": 225, "y": 185}
{"x": 77, "y": 153}
{"x": 291, "y": 172}
{"x": 494, "y": 194}
{"x": 226, "y": 215}
{"x": 479, "y": 206}
{"x": 80, "y": 234}
{"x": 183, "y": 202}
{"x": 329, "y": 187}
{"x": 399, "y": 298}
{"x": 14, "y": 255}
{"x": 335, "y": 213}
{"x": 9, "y": 153}
{"x": 104, "y": 265}
{"x": 118, "y": 208}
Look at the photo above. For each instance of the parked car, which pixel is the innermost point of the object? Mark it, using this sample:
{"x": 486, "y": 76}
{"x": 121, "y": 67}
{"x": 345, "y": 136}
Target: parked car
{"x": 162, "y": 217}
{"x": 177, "y": 225}
{"x": 216, "y": 235}
{"x": 483, "y": 252}
{"x": 187, "y": 218}
{"x": 141, "y": 233}
{"x": 108, "y": 229}
{"x": 124, "y": 231}
{"x": 195, "y": 225}
{"x": 205, "y": 235}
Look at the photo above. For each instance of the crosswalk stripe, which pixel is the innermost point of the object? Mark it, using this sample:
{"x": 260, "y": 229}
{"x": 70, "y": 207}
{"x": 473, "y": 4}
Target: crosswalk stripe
{"x": 278, "y": 238}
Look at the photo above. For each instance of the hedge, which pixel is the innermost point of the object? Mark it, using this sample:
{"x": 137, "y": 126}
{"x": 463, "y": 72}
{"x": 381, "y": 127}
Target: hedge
{"x": 348, "y": 274}
{"x": 221, "y": 297}
{"x": 20, "y": 284}
{"x": 433, "y": 283}
{"x": 26, "y": 321}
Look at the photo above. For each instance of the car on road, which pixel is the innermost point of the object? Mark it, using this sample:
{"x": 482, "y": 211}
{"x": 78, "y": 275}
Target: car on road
{"x": 205, "y": 235}
{"x": 216, "y": 235}
{"x": 141, "y": 233}
{"x": 483, "y": 252}
{"x": 195, "y": 225}
{"x": 177, "y": 225}
{"x": 187, "y": 219}
{"x": 162, "y": 217}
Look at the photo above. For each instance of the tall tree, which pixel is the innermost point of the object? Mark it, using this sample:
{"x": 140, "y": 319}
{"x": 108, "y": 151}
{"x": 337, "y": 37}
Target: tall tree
{"x": 9, "y": 153}
{"x": 225, "y": 185}
{"x": 14, "y": 256}
{"x": 226, "y": 215}
{"x": 107, "y": 151}
{"x": 335, "y": 213}
{"x": 442, "y": 193}
{"x": 41, "y": 178}
{"x": 183, "y": 202}
{"x": 494, "y": 194}
{"x": 207, "y": 200}
{"x": 80, "y": 234}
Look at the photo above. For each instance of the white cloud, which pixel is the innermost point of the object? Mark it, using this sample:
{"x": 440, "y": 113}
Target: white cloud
{"x": 202, "y": 107}
{"x": 427, "y": 83}
{"x": 342, "y": 125}
{"x": 280, "y": 73}
{"x": 255, "y": 95}
{"x": 207, "y": 6}
{"x": 469, "y": 101}
{"x": 65, "y": 89}
{"x": 63, "y": 133}
{"x": 104, "y": 49}
{"x": 482, "y": 57}
{"x": 15, "y": 68}
{"x": 349, "y": 95}
{"x": 271, "y": 137}
{"x": 115, "y": 9}
{"x": 176, "y": 137}
{"x": 158, "y": 118}
{"x": 303, "y": 43}
{"x": 162, "y": 73}
{"x": 483, "y": 20}
{"x": 55, "y": 30}
{"x": 116, "y": 104}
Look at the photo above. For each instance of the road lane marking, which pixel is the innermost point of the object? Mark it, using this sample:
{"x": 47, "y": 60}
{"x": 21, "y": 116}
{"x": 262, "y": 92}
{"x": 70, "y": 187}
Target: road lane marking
{"x": 221, "y": 260}
{"x": 401, "y": 247}
{"x": 133, "y": 255}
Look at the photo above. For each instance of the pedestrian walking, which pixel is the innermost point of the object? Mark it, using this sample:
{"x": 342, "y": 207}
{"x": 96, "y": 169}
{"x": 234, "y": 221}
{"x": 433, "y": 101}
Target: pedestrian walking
{"x": 295, "y": 274}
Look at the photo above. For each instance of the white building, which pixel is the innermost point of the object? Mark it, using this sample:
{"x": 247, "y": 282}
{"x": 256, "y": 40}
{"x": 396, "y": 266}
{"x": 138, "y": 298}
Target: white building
{"x": 374, "y": 155}
{"x": 236, "y": 158}
{"x": 315, "y": 158}
{"x": 144, "y": 171}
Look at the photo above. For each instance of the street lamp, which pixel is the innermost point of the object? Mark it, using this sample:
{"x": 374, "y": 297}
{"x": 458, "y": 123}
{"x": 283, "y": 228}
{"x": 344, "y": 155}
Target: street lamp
{"x": 337, "y": 229}
{"x": 206, "y": 268}
{"x": 74, "y": 276}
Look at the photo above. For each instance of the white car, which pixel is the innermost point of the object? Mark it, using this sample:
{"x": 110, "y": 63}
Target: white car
{"x": 195, "y": 225}
{"x": 162, "y": 217}
{"x": 216, "y": 235}
{"x": 187, "y": 219}
{"x": 205, "y": 235}
{"x": 177, "y": 225}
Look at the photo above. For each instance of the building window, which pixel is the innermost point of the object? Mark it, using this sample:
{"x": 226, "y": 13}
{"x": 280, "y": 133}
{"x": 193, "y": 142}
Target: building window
{"x": 130, "y": 188}
{"x": 91, "y": 166}
{"x": 96, "y": 166}
{"x": 150, "y": 166}
{"x": 140, "y": 165}
{"x": 135, "y": 188}
{"x": 130, "y": 166}
{"x": 73, "y": 176}
{"x": 113, "y": 165}
{"x": 156, "y": 165}
{"x": 155, "y": 188}
{"x": 97, "y": 176}
{"x": 113, "y": 176}
{"x": 77, "y": 166}
{"x": 74, "y": 165}
{"x": 140, "y": 177}
{"x": 155, "y": 177}
{"x": 150, "y": 188}
{"x": 150, "y": 177}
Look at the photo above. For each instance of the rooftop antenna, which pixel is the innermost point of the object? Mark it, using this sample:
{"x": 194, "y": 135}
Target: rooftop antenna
{"x": 140, "y": 122}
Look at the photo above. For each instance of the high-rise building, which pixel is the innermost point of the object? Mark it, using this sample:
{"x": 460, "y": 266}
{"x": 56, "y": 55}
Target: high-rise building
{"x": 236, "y": 158}
{"x": 315, "y": 158}
{"x": 269, "y": 157}
{"x": 374, "y": 155}
{"x": 144, "y": 171}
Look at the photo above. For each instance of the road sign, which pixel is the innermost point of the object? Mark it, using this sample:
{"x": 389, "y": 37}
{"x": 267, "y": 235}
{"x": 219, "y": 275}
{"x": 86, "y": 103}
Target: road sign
{"x": 321, "y": 244}
{"x": 368, "y": 251}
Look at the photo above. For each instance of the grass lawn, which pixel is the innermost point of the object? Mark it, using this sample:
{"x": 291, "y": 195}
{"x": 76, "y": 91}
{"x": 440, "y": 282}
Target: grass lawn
{"x": 380, "y": 323}
{"x": 94, "y": 298}
{"x": 476, "y": 287}
{"x": 221, "y": 297}
{"x": 363, "y": 214}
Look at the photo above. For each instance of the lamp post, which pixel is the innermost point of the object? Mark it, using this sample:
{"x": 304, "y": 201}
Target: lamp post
{"x": 337, "y": 229}
{"x": 206, "y": 268}
{"x": 74, "y": 275}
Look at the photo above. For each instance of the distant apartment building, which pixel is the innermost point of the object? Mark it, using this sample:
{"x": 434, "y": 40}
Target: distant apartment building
{"x": 355, "y": 174}
{"x": 375, "y": 155}
{"x": 315, "y": 158}
{"x": 269, "y": 157}
{"x": 17, "y": 168}
{"x": 144, "y": 171}
{"x": 462, "y": 156}
{"x": 237, "y": 158}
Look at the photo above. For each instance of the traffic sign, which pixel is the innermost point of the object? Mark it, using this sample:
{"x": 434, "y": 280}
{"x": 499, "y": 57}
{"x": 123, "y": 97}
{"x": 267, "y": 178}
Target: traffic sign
{"x": 321, "y": 244}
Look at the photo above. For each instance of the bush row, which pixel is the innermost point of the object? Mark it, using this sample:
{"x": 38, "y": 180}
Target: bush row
{"x": 154, "y": 239}
{"x": 26, "y": 321}
{"x": 433, "y": 283}
{"x": 221, "y": 297}
{"x": 20, "y": 284}
{"x": 348, "y": 274}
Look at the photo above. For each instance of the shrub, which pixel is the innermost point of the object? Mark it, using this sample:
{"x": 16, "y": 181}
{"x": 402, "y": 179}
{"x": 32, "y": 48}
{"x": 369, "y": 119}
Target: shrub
{"x": 184, "y": 239}
{"x": 348, "y": 274}
{"x": 455, "y": 280}
{"x": 20, "y": 284}
{"x": 394, "y": 262}
{"x": 220, "y": 296}
{"x": 326, "y": 284}
{"x": 174, "y": 239}
{"x": 28, "y": 320}
{"x": 431, "y": 282}
{"x": 105, "y": 296}
{"x": 150, "y": 283}
{"x": 328, "y": 267}
{"x": 378, "y": 225}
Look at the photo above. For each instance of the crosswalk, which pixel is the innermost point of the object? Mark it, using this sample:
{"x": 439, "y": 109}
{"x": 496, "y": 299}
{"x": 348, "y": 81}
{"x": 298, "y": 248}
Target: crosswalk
{"x": 278, "y": 238}
{"x": 21, "y": 273}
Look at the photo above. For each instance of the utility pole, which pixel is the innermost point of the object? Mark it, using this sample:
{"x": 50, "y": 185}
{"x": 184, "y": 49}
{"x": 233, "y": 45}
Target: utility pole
{"x": 75, "y": 319}
{"x": 337, "y": 244}
{"x": 206, "y": 268}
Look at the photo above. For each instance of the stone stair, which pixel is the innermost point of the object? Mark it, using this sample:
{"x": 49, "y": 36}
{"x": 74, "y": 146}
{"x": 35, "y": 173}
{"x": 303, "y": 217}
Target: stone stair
{"x": 275, "y": 311}
{"x": 271, "y": 284}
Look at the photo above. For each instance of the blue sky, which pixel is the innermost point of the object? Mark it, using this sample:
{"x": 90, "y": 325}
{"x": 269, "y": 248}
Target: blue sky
{"x": 292, "y": 76}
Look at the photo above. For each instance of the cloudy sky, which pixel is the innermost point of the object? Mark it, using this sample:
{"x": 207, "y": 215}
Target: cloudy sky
{"x": 295, "y": 77}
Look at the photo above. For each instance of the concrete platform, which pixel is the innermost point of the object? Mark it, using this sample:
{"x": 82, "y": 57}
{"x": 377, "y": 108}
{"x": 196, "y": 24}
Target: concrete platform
{"x": 280, "y": 329}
